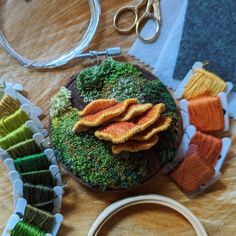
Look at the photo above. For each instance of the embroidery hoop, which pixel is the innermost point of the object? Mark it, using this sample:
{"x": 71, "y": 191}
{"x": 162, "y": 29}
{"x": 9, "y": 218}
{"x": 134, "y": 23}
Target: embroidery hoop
{"x": 144, "y": 199}
{"x": 74, "y": 54}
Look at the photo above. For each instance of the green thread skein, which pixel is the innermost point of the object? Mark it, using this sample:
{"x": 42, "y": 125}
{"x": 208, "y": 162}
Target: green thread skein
{"x": 39, "y": 196}
{"x": 43, "y": 177}
{"x": 12, "y": 122}
{"x": 23, "y": 229}
{"x": 21, "y": 134}
{"x": 32, "y": 163}
{"x": 24, "y": 148}
{"x": 39, "y": 218}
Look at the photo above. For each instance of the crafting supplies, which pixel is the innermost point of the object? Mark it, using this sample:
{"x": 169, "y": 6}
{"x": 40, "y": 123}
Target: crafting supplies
{"x": 39, "y": 218}
{"x": 32, "y": 163}
{"x": 146, "y": 199}
{"x": 12, "y": 122}
{"x": 157, "y": 54}
{"x": 75, "y": 53}
{"x": 198, "y": 150}
{"x": 203, "y": 82}
{"x": 199, "y": 81}
{"x": 39, "y": 196}
{"x": 39, "y": 177}
{"x": 23, "y": 148}
{"x": 208, "y": 146}
{"x": 16, "y": 86}
{"x": 25, "y": 229}
{"x": 206, "y": 113}
{"x": 200, "y": 34}
{"x": 22, "y": 228}
{"x": 152, "y": 12}
{"x": 8, "y": 106}
{"x": 232, "y": 104}
{"x": 19, "y": 135}
{"x": 193, "y": 172}
{"x": 35, "y": 170}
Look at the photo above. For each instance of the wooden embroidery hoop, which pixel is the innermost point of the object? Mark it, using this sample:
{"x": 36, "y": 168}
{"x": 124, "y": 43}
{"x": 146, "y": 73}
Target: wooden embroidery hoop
{"x": 146, "y": 199}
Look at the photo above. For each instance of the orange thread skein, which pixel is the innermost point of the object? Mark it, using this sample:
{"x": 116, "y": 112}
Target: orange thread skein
{"x": 206, "y": 113}
{"x": 192, "y": 173}
{"x": 208, "y": 146}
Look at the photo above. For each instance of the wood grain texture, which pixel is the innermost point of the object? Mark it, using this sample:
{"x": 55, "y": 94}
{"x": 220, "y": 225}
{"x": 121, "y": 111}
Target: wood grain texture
{"x": 45, "y": 29}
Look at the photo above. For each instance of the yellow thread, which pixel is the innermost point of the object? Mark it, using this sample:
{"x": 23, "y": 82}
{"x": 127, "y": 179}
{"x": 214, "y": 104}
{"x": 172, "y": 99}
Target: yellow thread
{"x": 203, "y": 82}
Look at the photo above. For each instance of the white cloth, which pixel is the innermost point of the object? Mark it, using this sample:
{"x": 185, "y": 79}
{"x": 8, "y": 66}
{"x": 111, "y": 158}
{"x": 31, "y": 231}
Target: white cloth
{"x": 161, "y": 55}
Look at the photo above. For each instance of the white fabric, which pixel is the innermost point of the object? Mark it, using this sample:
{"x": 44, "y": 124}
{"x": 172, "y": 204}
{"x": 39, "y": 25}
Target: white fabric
{"x": 161, "y": 55}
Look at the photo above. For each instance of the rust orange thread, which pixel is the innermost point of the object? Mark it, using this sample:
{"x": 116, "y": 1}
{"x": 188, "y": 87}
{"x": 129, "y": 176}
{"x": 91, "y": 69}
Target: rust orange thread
{"x": 208, "y": 146}
{"x": 206, "y": 113}
{"x": 192, "y": 173}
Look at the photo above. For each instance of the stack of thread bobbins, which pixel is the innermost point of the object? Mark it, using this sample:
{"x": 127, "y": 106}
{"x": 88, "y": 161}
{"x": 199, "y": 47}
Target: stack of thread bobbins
{"x": 32, "y": 167}
{"x": 205, "y": 116}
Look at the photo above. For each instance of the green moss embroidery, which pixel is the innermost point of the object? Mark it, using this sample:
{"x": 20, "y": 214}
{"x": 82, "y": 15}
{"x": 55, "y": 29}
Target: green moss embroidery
{"x": 91, "y": 159}
{"x": 92, "y": 83}
{"x": 60, "y": 102}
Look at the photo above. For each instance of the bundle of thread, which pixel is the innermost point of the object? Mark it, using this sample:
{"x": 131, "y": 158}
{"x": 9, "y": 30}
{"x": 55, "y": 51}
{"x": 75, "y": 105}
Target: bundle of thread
{"x": 198, "y": 166}
{"x": 206, "y": 113}
{"x": 34, "y": 222}
{"x": 33, "y": 167}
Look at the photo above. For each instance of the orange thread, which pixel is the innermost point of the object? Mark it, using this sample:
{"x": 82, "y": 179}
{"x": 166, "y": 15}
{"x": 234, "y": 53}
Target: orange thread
{"x": 206, "y": 113}
{"x": 192, "y": 173}
{"x": 208, "y": 146}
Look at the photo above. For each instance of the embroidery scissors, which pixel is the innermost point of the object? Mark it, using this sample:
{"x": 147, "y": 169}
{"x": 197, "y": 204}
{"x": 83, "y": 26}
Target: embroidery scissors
{"x": 152, "y": 12}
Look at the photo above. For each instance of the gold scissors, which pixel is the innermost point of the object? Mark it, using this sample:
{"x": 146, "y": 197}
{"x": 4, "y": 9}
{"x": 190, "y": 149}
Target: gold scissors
{"x": 152, "y": 12}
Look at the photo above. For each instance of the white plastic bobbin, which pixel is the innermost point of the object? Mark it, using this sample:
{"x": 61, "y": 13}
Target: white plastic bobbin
{"x": 146, "y": 199}
{"x": 185, "y": 111}
{"x": 197, "y": 65}
{"x": 41, "y": 141}
{"x": 23, "y": 100}
{"x": 27, "y": 109}
{"x": 16, "y": 86}
{"x": 20, "y": 209}
{"x": 32, "y": 126}
{"x": 12, "y": 222}
{"x": 182, "y": 150}
{"x": 18, "y": 193}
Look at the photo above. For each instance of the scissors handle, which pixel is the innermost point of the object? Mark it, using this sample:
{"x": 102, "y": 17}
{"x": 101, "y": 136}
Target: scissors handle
{"x": 120, "y": 13}
{"x": 155, "y": 16}
{"x": 132, "y": 9}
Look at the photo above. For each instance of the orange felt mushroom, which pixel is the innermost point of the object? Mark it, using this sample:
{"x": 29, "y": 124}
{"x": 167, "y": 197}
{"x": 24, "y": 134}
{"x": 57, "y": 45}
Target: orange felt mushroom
{"x": 120, "y": 132}
{"x": 162, "y": 124}
{"x": 97, "y": 105}
{"x": 135, "y": 146}
{"x": 104, "y": 115}
{"x": 133, "y": 111}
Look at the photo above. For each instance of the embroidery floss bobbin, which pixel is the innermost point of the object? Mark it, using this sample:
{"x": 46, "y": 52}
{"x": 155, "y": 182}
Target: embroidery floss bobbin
{"x": 207, "y": 113}
{"x": 41, "y": 219}
{"x": 200, "y": 82}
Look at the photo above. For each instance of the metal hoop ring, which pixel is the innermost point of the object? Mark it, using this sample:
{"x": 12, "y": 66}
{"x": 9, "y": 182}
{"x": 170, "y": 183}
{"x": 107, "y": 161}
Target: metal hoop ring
{"x": 65, "y": 59}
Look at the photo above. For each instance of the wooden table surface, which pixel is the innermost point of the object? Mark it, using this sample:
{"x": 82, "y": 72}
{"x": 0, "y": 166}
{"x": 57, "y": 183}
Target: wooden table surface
{"x": 45, "y": 29}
